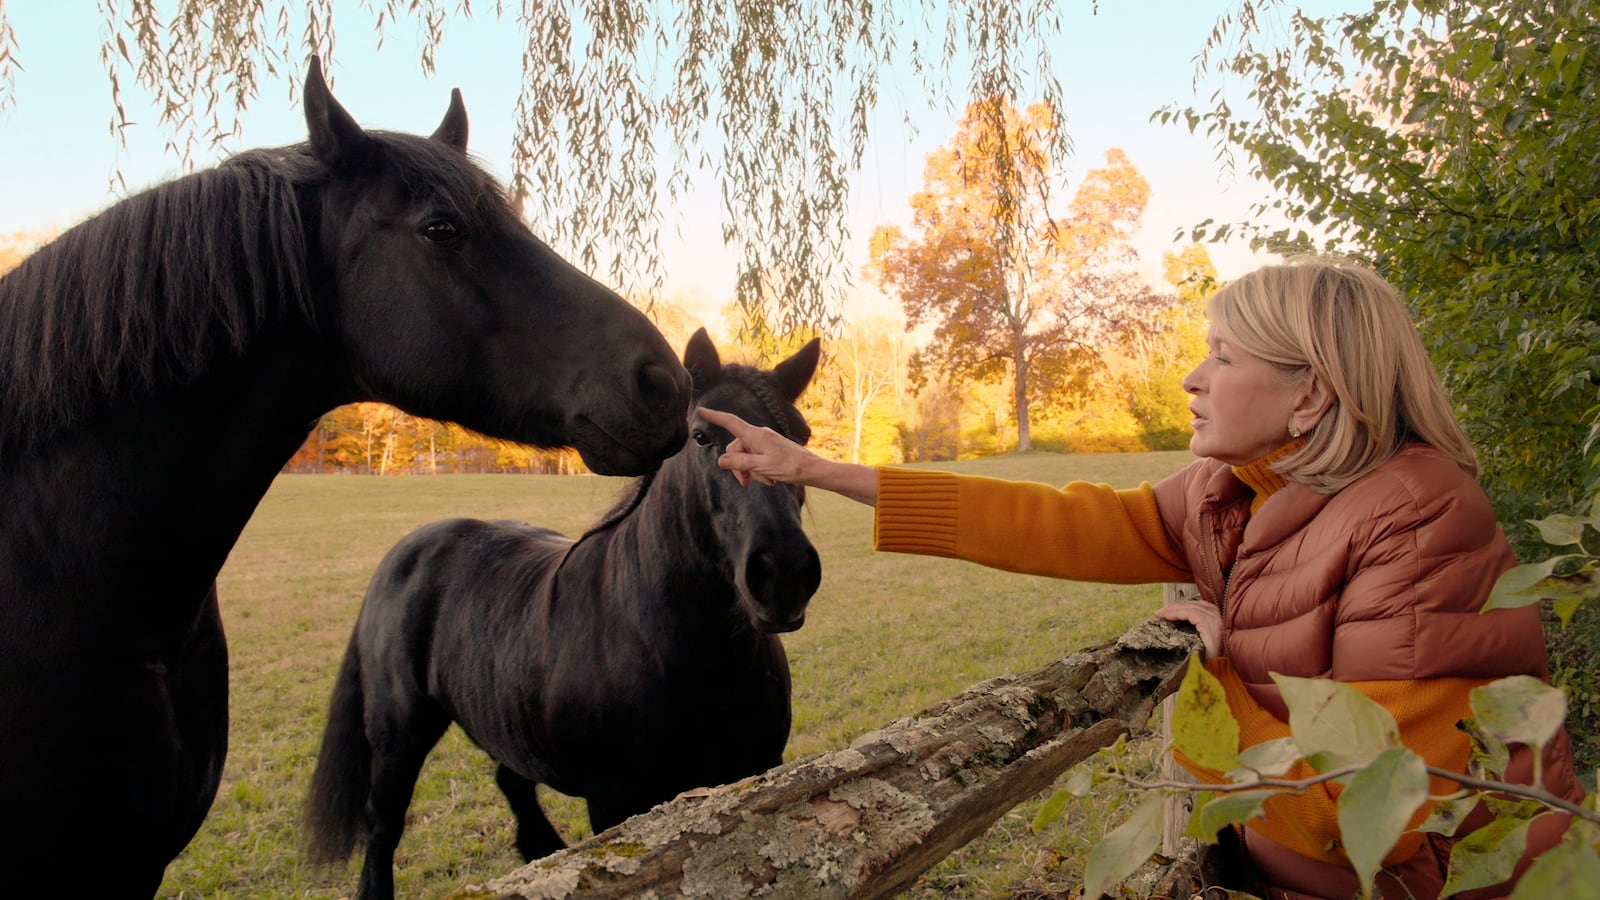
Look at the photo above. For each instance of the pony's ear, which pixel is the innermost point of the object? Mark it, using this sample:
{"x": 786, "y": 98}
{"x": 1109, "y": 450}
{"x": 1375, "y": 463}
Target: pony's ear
{"x": 336, "y": 139}
{"x": 792, "y": 375}
{"x": 453, "y": 130}
{"x": 702, "y": 361}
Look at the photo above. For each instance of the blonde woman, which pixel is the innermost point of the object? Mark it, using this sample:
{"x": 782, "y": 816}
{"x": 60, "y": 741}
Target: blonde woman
{"x": 1333, "y": 523}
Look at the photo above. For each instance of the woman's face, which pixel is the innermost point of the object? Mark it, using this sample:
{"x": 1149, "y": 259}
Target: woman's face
{"x": 1242, "y": 403}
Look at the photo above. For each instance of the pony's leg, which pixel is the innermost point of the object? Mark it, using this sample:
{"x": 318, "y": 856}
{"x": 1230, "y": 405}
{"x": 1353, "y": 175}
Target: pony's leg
{"x": 536, "y": 837}
{"x": 400, "y": 746}
{"x": 606, "y": 810}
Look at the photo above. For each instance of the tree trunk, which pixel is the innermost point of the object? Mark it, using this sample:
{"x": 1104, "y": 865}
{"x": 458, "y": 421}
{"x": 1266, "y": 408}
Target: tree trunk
{"x": 865, "y": 821}
{"x": 1019, "y": 387}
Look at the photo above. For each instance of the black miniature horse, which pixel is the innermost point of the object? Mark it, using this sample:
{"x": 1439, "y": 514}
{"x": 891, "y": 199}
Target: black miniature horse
{"x": 160, "y": 362}
{"x": 625, "y": 667}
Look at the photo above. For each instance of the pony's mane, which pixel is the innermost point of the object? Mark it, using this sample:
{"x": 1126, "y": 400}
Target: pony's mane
{"x": 156, "y": 288}
{"x": 785, "y": 418}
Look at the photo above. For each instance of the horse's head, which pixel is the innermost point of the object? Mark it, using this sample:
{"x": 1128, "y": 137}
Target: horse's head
{"x": 758, "y": 528}
{"x": 449, "y": 308}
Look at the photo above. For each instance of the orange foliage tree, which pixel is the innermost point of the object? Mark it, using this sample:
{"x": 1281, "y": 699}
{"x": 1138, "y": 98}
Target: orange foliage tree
{"x": 1012, "y": 286}
{"x": 16, "y": 246}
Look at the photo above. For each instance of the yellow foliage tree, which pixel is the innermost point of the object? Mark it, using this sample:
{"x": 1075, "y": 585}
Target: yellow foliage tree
{"x": 1151, "y": 358}
{"x": 1013, "y": 286}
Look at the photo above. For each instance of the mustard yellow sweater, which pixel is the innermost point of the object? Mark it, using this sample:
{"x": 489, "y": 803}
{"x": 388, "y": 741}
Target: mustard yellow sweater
{"x": 1093, "y": 532}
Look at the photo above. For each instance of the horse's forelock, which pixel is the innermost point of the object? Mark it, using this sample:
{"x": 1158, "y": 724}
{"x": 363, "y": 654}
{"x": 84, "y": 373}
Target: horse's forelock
{"x": 442, "y": 174}
{"x": 783, "y": 417}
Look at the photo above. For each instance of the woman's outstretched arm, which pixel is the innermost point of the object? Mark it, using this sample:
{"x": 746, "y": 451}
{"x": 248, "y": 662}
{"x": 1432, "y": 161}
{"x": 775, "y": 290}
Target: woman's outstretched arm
{"x": 768, "y": 457}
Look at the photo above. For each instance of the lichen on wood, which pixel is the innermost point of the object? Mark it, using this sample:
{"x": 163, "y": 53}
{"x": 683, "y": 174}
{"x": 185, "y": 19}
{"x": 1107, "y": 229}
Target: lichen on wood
{"x": 866, "y": 820}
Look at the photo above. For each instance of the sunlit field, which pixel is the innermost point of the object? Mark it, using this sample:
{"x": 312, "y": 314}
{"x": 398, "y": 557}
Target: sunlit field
{"x": 887, "y": 635}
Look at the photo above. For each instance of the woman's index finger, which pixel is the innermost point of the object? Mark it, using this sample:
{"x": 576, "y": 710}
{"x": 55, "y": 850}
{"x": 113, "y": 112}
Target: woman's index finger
{"x": 731, "y": 422}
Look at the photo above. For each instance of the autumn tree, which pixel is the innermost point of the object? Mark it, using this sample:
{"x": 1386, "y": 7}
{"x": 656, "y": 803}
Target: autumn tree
{"x": 1014, "y": 287}
{"x": 868, "y": 358}
{"x": 15, "y": 247}
{"x": 1152, "y": 356}
{"x": 932, "y": 427}
{"x": 622, "y": 102}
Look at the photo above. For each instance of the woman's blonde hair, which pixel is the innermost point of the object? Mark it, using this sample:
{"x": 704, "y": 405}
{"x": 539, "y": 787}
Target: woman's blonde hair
{"x": 1349, "y": 328}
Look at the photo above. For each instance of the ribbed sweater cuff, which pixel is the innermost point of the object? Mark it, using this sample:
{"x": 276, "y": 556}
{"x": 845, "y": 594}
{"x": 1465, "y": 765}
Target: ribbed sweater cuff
{"x": 916, "y": 512}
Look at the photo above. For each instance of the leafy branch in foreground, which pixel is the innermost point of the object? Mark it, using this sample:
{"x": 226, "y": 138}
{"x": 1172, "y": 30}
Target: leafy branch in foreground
{"x": 1350, "y": 740}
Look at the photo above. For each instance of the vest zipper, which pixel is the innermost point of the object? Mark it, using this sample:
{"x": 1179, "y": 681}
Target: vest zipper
{"x": 1214, "y": 567}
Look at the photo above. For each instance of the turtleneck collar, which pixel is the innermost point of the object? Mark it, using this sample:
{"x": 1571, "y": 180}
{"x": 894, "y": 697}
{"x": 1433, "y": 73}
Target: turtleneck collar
{"x": 1259, "y": 477}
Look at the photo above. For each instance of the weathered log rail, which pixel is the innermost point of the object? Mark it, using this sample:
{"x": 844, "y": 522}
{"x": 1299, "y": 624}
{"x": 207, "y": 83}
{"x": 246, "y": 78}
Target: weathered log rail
{"x": 867, "y": 820}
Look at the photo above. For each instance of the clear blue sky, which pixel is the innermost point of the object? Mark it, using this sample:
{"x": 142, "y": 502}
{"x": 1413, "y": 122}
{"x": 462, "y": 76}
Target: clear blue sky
{"x": 57, "y": 154}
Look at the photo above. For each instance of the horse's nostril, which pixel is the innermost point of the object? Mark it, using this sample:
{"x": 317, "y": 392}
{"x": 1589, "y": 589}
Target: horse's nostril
{"x": 659, "y": 389}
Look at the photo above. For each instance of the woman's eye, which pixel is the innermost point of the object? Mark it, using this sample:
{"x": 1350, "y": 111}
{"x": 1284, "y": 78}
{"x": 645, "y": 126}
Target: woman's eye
{"x": 441, "y": 231}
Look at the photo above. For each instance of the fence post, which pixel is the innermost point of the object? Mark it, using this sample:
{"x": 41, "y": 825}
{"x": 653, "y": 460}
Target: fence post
{"x": 1175, "y": 815}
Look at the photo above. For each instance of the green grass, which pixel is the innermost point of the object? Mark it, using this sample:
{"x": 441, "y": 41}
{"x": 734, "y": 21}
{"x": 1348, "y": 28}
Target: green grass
{"x": 887, "y": 634}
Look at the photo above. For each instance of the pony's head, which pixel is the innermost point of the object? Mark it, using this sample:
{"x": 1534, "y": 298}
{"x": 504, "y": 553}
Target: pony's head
{"x": 447, "y": 306}
{"x": 771, "y": 560}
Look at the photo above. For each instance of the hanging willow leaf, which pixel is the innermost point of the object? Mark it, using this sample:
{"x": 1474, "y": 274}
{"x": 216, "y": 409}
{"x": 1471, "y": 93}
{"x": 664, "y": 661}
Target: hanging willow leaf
{"x": 625, "y": 103}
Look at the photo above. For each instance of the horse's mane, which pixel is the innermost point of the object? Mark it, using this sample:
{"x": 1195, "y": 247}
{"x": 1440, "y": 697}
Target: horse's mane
{"x": 155, "y": 288}
{"x": 786, "y": 420}
{"x": 146, "y": 292}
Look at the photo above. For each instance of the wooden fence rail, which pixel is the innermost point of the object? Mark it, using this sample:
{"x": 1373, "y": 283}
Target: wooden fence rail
{"x": 867, "y": 820}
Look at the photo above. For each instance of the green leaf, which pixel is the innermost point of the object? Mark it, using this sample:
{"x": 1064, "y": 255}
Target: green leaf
{"x": 1079, "y": 782}
{"x": 1334, "y": 724}
{"x": 1125, "y": 849}
{"x": 1519, "y": 585}
{"x": 1563, "y": 530}
{"x": 1050, "y": 811}
{"x": 1487, "y": 856}
{"x": 1233, "y": 808}
{"x": 1423, "y": 108}
{"x": 1193, "y": 828}
{"x": 1489, "y": 756}
{"x": 1202, "y": 725}
{"x": 1520, "y": 709}
{"x": 1269, "y": 759}
{"x": 1448, "y": 815}
{"x": 1376, "y": 807}
{"x": 1565, "y": 608}
{"x": 1569, "y": 871}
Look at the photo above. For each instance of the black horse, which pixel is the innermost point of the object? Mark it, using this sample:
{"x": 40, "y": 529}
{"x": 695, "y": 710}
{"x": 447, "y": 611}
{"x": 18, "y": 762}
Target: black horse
{"x": 160, "y": 362}
{"x": 624, "y": 668}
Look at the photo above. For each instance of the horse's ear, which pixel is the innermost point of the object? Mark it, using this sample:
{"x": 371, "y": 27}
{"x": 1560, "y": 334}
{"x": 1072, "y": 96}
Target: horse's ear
{"x": 702, "y": 361}
{"x": 453, "y": 130}
{"x": 792, "y": 375}
{"x": 336, "y": 139}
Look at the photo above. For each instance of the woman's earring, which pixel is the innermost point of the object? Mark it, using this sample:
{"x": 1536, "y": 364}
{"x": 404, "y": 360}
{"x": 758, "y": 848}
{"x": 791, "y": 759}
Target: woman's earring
{"x": 1294, "y": 431}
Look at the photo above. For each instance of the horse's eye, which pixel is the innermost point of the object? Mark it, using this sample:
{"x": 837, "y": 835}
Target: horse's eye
{"x": 441, "y": 231}
{"x": 701, "y": 438}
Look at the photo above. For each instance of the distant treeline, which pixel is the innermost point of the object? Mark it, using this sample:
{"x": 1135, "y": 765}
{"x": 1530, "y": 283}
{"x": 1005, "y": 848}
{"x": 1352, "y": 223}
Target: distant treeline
{"x": 377, "y": 439}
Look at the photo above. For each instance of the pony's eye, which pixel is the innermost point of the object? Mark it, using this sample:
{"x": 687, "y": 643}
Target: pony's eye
{"x": 441, "y": 231}
{"x": 701, "y": 438}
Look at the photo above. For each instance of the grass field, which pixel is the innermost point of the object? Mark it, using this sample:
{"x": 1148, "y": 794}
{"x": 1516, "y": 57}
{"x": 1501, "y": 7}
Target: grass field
{"x": 887, "y": 635}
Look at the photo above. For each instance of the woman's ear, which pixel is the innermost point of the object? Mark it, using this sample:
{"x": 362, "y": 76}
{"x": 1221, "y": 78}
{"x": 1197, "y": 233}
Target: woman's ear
{"x": 1314, "y": 401}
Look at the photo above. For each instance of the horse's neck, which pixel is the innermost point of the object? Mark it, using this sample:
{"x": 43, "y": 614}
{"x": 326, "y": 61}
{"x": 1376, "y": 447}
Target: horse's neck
{"x": 657, "y": 548}
{"x": 172, "y": 478}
